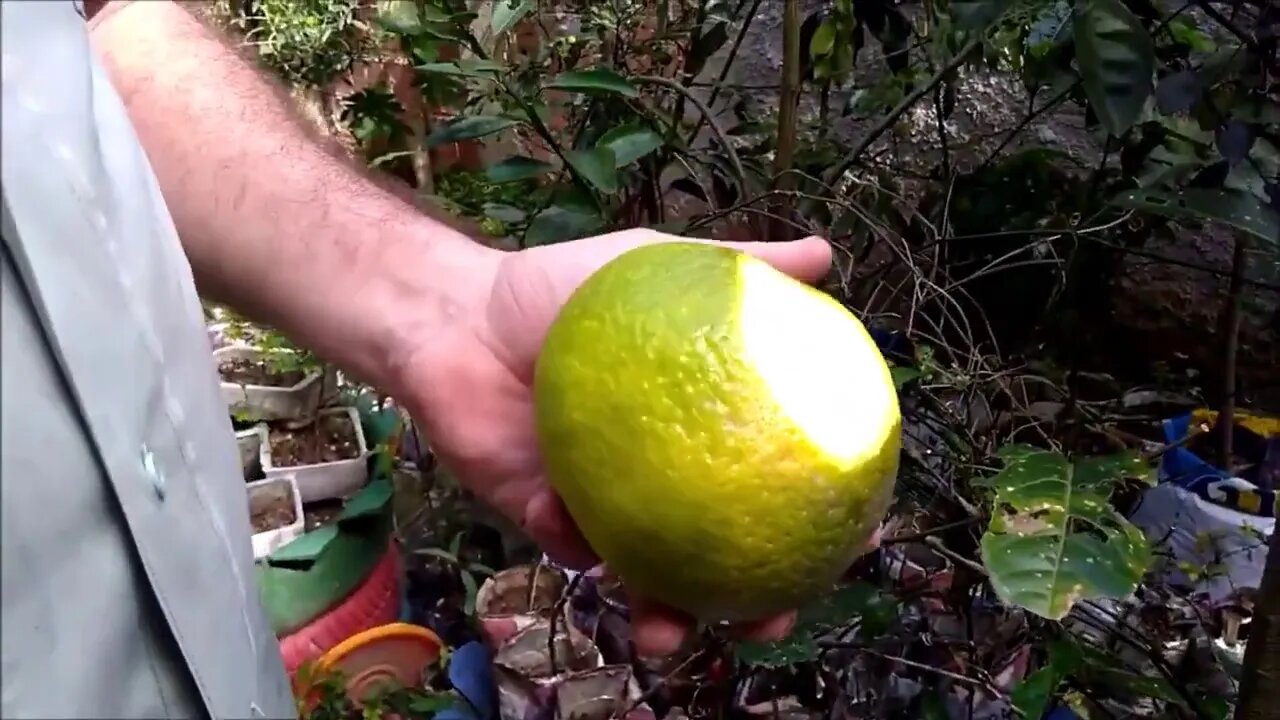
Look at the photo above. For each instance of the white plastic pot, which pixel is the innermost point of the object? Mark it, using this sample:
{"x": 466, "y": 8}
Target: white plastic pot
{"x": 340, "y": 478}
{"x": 254, "y": 445}
{"x": 265, "y": 402}
{"x": 271, "y": 490}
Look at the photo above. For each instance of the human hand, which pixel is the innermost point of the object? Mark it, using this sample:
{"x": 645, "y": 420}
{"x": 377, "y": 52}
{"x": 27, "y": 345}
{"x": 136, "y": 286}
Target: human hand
{"x": 477, "y": 407}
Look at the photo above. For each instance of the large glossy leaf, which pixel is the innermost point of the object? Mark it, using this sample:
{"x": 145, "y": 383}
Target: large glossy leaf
{"x": 1054, "y": 537}
{"x": 516, "y": 167}
{"x": 467, "y": 128}
{"x": 597, "y": 166}
{"x": 1117, "y": 60}
{"x": 560, "y": 223}
{"x": 1239, "y": 210}
{"x": 630, "y": 143}
{"x": 594, "y": 80}
{"x": 506, "y": 13}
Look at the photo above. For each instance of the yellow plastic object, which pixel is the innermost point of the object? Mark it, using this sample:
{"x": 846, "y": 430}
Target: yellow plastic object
{"x": 385, "y": 657}
{"x": 1262, "y": 425}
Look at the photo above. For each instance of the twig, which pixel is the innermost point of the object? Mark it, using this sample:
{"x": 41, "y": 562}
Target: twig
{"x": 730, "y": 153}
{"x": 937, "y": 546}
{"x": 834, "y": 175}
{"x": 1030, "y": 117}
{"x": 1230, "y": 26}
{"x": 728, "y": 65}
{"x": 913, "y": 537}
{"x": 1231, "y": 344}
{"x": 1160, "y": 451}
{"x": 555, "y": 614}
{"x": 838, "y": 645}
{"x": 1183, "y": 263}
{"x": 789, "y": 97}
{"x": 653, "y": 690}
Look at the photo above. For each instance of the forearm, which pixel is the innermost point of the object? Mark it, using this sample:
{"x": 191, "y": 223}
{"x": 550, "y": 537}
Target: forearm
{"x": 272, "y": 222}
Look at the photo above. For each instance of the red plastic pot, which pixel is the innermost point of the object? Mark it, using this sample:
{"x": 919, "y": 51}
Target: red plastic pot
{"x": 376, "y": 601}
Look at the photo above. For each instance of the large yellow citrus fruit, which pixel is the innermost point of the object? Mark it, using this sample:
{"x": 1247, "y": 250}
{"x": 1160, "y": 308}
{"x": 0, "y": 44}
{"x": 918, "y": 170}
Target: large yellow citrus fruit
{"x": 726, "y": 436}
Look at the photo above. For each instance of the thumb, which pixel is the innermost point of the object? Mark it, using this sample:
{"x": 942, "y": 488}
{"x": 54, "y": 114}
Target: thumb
{"x": 807, "y": 259}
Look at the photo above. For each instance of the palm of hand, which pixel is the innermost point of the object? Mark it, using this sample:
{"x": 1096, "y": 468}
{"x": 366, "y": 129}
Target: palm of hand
{"x": 481, "y": 420}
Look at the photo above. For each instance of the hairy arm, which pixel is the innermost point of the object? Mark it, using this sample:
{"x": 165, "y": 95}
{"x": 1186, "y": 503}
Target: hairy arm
{"x": 273, "y": 222}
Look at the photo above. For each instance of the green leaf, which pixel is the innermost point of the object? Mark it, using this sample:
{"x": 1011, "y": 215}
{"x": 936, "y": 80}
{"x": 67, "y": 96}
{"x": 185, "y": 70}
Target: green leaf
{"x": 597, "y": 166}
{"x": 380, "y": 425}
{"x": 559, "y": 224}
{"x": 977, "y": 14}
{"x": 1098, "y": 668}
{"x": 630, "y": 143}
{"x": 430, "y": 705}
{"x": 875, "y": 610}
{"x": 594, "y": 80}
{"x": 449, "y": 30}
{"x": 1103, "y": 471}
{"x": 506, "y": 13}
{"x": 400, "y": 17}
{"x": 902, "y": 375}
{"x": 1034, "y": 694}
{"x": 471, "y": 589}
{"x": 506, "y": 213}
{"x": 516, "y": 167}
{"x": 1117, "y": 60}
{"x": 430, "y": 11}
{"x": 824, "y": 39}
{"x": 1054, "y": 538}
{"x": 466, "y": 67}
{"x": 440, "y": 553}
{"x": 1236, "y": 209}
{"x": 468, "y": 127}
{"x": 371, "y": 500}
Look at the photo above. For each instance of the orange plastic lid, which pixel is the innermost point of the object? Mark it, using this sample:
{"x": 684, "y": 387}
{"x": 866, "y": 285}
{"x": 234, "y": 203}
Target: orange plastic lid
{"x": 392, "y": 655}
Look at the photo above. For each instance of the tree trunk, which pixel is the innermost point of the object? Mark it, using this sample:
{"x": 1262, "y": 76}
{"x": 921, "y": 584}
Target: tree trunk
{"x": 1261, "y": 669}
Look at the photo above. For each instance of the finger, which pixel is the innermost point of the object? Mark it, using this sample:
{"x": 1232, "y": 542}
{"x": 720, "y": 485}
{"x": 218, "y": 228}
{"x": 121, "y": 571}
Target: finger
{"x": 767, "y": 630}
{"x": 808, "y": 259}
{"x": 657, "y": 630}
{"x": 874, "y": 542}
{"x": 548, "y": 522}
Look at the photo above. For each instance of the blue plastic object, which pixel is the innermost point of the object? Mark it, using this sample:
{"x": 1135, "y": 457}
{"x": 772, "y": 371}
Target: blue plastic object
{"x": 471, "y": 674}
{"x": 1182, "y": 467}
{"x": 1189, "y": 471}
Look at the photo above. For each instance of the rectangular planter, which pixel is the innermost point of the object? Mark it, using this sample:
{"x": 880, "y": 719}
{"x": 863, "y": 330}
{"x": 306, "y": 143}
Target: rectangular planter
{"x": 271, "y": 490}
{"x": 254, "y": 449}
{"x": 266, "y": 402}
{"x": 322, "y": 481}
